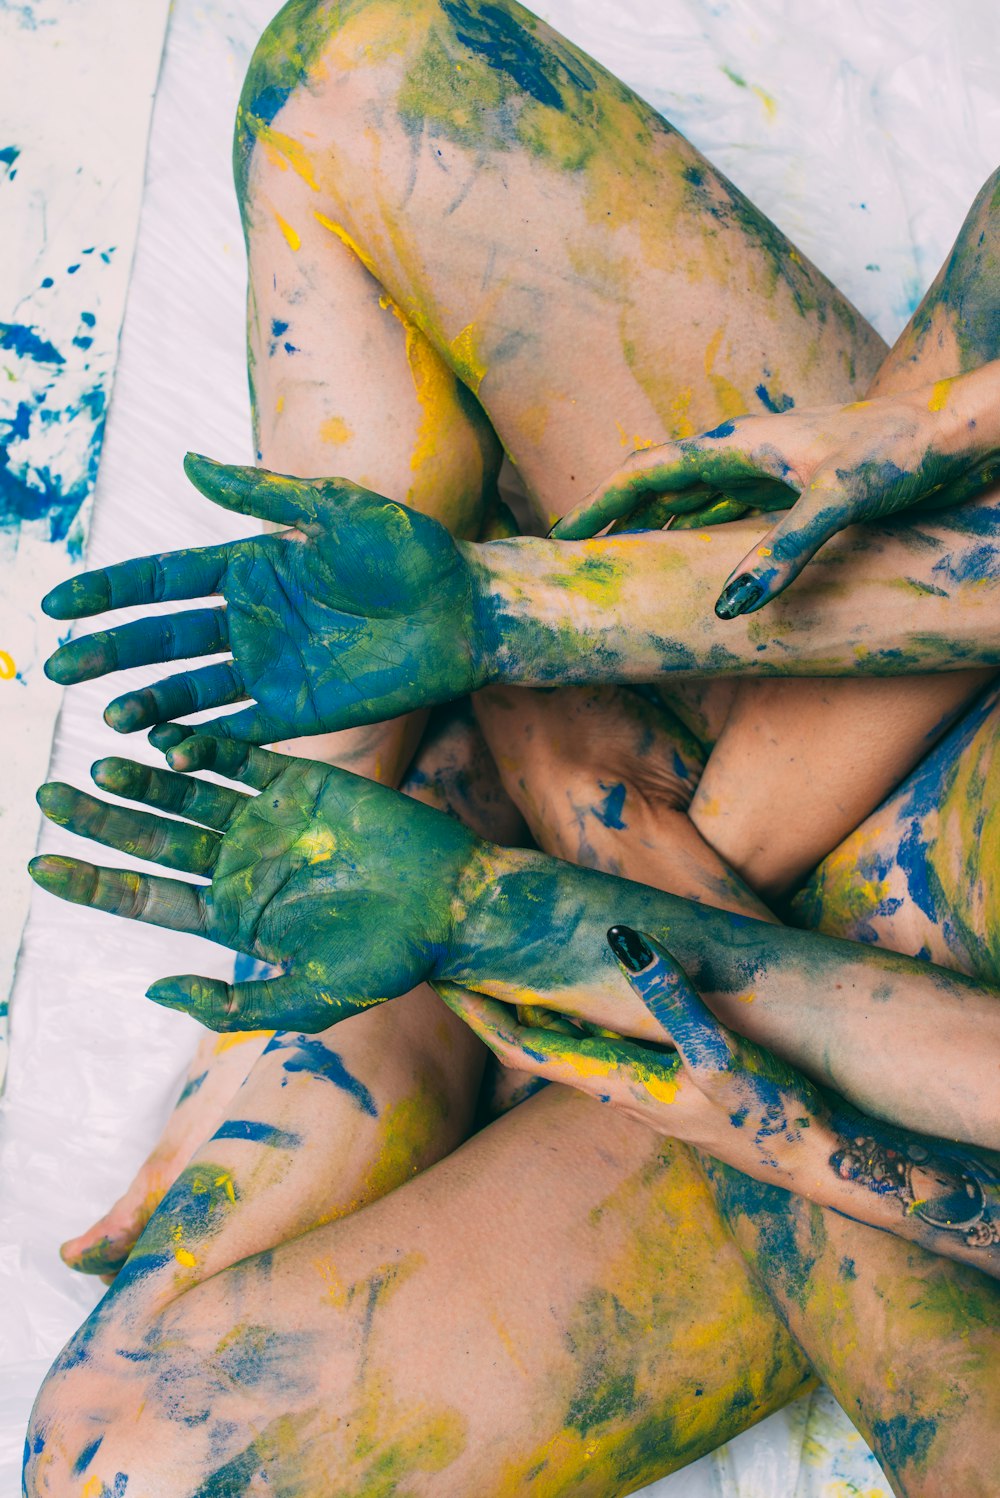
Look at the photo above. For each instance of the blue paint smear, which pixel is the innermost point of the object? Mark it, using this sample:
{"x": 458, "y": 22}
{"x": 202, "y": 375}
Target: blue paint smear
{"x": 190, "y": 1088}
{"x": 21, "y": 339}
{"x": 86, "y": 1456}
{"x": 258, "y": 1133}
{"x": 278, "y": 327}
{"x": 725, "y": 429}
{"x": 775, "y": 403}
{"x": 312, "y": 1056}
{"x": 610, "y": 810}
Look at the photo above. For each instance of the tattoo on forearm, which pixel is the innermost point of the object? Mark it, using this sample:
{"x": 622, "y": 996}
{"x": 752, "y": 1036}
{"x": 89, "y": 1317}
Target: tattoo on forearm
{"x": 951, "y": 1192}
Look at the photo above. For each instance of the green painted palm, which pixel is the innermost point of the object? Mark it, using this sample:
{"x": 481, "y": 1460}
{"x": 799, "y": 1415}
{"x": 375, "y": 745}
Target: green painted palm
{"x": 345, "y": 884}
{"x": 360, "y": 611}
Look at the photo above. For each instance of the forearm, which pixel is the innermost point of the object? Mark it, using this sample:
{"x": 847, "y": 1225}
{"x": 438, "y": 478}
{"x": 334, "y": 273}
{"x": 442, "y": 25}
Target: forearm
{"x": 889, "y": 600}
{"x": 529, "y": 929}
{"x": 943, "y": 1196}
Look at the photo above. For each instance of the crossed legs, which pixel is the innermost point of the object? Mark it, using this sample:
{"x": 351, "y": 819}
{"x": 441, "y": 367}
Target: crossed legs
{"x": 391, "y": 284}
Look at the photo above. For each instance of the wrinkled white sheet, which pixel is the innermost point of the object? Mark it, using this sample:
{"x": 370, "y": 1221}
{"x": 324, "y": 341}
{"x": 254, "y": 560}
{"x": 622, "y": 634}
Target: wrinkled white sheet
{"x": 864, "y": 129}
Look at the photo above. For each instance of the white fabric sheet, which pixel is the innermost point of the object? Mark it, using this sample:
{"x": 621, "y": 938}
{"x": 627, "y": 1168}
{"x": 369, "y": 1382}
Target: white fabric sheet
{"x": 864, "y": 129}
{"x": 75, "y": 106}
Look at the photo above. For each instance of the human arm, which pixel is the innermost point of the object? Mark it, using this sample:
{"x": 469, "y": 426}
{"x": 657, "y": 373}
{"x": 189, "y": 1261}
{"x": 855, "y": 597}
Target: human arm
{"x": 743, "y": 1106}
{"x": 360, "y": 894}
{"x": 827, "y": 468}
{"x": 364, "y": 609}
{"x": 925, "y": 434}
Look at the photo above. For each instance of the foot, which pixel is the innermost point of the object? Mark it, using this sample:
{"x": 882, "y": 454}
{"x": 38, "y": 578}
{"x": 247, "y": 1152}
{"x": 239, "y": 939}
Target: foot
{"x": 219, "y": 1068}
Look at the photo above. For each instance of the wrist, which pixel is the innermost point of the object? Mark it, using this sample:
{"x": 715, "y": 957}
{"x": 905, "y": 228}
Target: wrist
{"x": 967, "y": 411}
{"x": 486, "y": 641}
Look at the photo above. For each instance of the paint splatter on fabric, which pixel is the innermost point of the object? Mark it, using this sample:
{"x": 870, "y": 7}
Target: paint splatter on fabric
{"x": 74, "y": 114}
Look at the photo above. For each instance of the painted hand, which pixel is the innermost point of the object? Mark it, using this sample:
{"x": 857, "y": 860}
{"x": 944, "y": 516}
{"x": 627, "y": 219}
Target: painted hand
{"x": 829, "y": 468}
{"x": 344, "y": 883}
{"x": 716, "y": 1090}
{"x": 361, "y": 611}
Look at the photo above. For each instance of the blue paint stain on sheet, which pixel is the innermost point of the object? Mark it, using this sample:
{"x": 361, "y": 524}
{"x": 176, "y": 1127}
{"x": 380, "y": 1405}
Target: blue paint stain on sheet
{"x": 18, "y": 338}
{"x": 309, "y": 1055}
{"x": 258, "y": 1133}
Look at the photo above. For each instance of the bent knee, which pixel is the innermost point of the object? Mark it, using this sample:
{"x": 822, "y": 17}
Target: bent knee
{"x": 312, "y": 60}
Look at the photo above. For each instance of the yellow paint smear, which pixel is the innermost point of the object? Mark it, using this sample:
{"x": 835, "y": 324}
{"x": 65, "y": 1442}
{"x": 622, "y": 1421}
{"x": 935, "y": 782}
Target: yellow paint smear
{"x": 336, "y": 430}
{"x": 636, "y": 444}
{"x": 469, "y": 365}
{"x": 226, "y": 1182}
{"x": 940, "y": 391}
{"x": 345, "y": 239}
{"x": 237, "y": 1037}
{"x": 7, "y": 668}
{"x": 769, "y": 102}
{"x": 284, "y": 151}
{"x": 292, "y": 235}
{"x": 730, "y": 401}
{"x": 183, "y": 1256}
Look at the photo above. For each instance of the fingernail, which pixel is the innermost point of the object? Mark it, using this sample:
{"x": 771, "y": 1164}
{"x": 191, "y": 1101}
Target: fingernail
{"x": 630, "y": 949}
{"x": 739, "y": 596}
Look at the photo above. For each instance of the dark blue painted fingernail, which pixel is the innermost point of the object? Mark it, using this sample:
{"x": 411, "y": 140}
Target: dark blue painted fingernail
{"x": 630, "y": 949}
{"x": 739, "y": 596}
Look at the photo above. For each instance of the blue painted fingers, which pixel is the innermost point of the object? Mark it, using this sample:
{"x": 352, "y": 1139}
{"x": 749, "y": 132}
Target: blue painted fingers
{"x": 668, "y": 995}
{"x": 362, "y": 610}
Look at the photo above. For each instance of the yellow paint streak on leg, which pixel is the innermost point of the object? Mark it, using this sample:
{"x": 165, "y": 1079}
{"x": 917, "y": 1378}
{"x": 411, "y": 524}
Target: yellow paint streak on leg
{"x": 345, "y": 239}
{"x": 283, "y": 151}
{"x": 940, "y": 391}
{"x": 237, "y": 1037}
{"x": 681, "y": 424}
{"x": 468, "y": 362}
{"x": 730, "y": 401}
{"x": 293, "y": 236}
{"x": 335, "y": 430}
{"x": 658, "y": 1319}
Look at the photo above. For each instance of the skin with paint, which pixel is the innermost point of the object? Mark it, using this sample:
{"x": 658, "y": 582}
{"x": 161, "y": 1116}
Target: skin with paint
{"x": 738, "y": 1103}
{"x": 379, "y": 611}
{"x": 930, "y": 448}
{"x": 609, "y": 1358}
{"x": 360, "y": 894}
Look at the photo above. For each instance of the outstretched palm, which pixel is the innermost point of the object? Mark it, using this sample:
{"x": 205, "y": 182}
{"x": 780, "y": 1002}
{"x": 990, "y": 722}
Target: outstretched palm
{"x": 344, "y": 883}
{"x": 362, "y": 610}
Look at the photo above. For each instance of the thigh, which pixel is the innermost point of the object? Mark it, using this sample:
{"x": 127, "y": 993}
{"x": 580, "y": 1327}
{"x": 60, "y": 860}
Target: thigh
{"x": 555, "y": 1308}
{"x": 919, "y": 875}
{"x": 591, "y": 282}
{"x": 590, "y": 277}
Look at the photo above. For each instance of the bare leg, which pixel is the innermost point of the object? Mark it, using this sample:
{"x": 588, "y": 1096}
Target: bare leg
{"x": 554, "y": 1304}
{"x": 778, "y": 734}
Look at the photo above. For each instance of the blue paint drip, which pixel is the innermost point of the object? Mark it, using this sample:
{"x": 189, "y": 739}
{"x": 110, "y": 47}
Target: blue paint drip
{"x": 86, "y": 1456}
{"x": 610, "y": 811}
{"x": 258, "y": 1133}
{"x": 774, "y": 403}
{"x": 312, "y": 1056}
